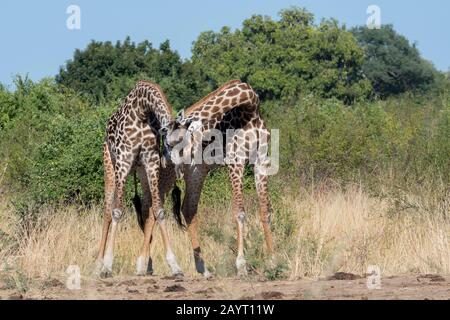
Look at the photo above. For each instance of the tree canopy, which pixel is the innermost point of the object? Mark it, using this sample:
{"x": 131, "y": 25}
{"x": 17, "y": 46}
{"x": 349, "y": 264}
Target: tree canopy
{"x": 104, "y": 70}
{"x": 285, "y": 58}
{"x": 392, "y": 63}
{"x": 282, "y": 59}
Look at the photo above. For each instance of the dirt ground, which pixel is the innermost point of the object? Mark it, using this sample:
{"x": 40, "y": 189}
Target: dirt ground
{"x": 340, "y": 286}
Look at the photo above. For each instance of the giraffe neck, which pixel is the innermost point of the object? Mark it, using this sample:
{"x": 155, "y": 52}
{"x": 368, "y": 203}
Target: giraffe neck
{"x": 152, "y": 102}
{"x": 211, "y": 109}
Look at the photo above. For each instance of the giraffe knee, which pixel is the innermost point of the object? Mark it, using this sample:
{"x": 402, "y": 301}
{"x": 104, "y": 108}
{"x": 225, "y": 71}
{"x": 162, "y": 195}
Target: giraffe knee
{"x": 160, "y": 215}
{"x": 241, "y": 217}
{"x": 267, "y": 220}
{"x": 265, "y": 216}
{"x": 117, "y": 215}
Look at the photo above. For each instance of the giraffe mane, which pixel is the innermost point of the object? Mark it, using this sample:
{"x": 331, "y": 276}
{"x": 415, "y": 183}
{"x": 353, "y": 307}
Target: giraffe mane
{"x": 161, "y": 92}
{"x": 201, "y": 102}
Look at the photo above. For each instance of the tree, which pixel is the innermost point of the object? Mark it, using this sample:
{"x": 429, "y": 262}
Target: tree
{"x": 285, "y": 58}
{"x": 392, "y": 64}
{"x": 107, "y": 71}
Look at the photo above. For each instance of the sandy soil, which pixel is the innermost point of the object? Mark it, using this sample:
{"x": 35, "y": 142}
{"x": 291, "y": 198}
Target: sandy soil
{"x": 341, "y": 286}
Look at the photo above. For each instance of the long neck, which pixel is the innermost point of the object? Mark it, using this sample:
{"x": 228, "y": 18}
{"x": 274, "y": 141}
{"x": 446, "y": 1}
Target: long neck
{"x": 212, "y": 110}
{"x": 154, "y": 103}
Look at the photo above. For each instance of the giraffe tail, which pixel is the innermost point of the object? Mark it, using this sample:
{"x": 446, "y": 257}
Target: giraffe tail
{"x": 138, "y": 205}
{"x": 176, "y": 200}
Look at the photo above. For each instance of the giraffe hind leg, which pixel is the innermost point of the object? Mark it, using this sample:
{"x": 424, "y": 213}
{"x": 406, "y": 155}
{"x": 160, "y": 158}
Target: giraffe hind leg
{"x": 108, "y": 204}
{"x": 265, "y": 209}
{"x": 194, "y": 184}
{"x": 236, "y": 173}
{"x": 122, "y": 169}
{"x": 261, "y": 181}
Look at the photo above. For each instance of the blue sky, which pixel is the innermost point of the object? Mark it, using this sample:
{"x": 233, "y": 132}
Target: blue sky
{"x": 36, "y": 41}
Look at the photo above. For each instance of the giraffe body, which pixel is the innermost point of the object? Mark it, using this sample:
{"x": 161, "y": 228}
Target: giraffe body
{"x": 234, "y": 106}
{"x": 132, "y": 145}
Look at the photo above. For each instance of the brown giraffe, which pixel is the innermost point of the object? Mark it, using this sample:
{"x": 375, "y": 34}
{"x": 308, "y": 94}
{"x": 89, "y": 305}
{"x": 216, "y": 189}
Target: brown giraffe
{"x": 233, "y": 106}
{"x": 132, "y": 144}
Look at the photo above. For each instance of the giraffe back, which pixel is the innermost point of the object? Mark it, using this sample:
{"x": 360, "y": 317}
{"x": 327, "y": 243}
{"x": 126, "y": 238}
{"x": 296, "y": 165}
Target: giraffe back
{"x": 135, "y": 126}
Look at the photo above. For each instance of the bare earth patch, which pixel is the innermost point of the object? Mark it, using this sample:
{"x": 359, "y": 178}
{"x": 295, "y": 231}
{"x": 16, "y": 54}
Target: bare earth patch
{"x": 152, "y": 288}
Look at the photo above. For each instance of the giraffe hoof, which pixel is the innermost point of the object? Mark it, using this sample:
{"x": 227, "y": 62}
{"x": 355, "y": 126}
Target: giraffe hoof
{"x": 241, "y": 267}
{"x": 98, "y": 268}
{"x": 144, "y": 266}
{"x": 144, "y": 273}
{"x": 178, "y": 274}
{"x": 105, "y": 273}
{"x": 242, "y": 273}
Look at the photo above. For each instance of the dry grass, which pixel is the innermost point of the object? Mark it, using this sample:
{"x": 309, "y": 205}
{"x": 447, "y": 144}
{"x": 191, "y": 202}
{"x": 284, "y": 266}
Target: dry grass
{"x": 348, "y": 231}
{"x": 317, "y": 233}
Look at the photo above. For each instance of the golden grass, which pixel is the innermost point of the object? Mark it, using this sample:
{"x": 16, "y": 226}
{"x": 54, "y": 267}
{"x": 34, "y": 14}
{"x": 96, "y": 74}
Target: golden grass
{"x": 317, "y": 233}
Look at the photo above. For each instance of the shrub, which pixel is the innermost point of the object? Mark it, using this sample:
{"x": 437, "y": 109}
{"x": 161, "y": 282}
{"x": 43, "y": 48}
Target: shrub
{"x": 392, "y": 64}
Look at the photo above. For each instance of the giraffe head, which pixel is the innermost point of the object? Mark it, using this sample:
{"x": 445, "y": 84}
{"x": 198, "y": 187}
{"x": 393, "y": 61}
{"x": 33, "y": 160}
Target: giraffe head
{"x": 178, "y": 129}
{"x": 178, "y": 135}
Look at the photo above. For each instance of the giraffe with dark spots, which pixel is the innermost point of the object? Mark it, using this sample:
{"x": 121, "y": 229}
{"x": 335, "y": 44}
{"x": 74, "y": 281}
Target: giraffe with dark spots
{"x": 233, "y": 106}
{"x": 132, "y": 145}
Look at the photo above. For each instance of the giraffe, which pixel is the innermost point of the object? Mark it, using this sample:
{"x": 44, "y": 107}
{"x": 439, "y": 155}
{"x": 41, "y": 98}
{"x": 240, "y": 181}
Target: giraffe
{"x": 232, "y": 106}
{"x": 132, "y": 144}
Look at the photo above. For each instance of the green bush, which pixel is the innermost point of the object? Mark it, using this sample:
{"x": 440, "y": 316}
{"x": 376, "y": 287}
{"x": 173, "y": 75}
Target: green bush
{"x": 392, "y": 64}
{"x": 326, "y": 139}
{"x": 68, "y": 164}
{"x": 105, "y": 72}
{"x": 282, "y": 59}
{"x": 51, "y": 146}
{"x": 320, "y": 138}
{"x": 312, "y": 87}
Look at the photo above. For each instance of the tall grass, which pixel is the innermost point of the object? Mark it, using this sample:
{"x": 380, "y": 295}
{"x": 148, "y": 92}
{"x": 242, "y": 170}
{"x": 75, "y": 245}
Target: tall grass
{"x": 318, "y": 231}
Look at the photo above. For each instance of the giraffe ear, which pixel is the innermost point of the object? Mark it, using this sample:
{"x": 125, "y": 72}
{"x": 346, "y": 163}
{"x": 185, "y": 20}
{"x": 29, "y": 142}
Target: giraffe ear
{"x": 180, "y": 115}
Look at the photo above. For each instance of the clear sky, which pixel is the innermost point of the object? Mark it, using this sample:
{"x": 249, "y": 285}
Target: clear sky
{"x": 35, "y": 40}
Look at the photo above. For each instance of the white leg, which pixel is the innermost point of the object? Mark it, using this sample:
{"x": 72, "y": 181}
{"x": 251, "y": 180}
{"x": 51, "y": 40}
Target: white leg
{"x": 108, "y": 259}
{"x": 241, "y": 264}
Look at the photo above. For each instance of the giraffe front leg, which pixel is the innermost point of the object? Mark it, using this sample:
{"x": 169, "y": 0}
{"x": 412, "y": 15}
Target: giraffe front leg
{"x": 170, "y": 256}
{"x": 191, "y": 221}
{"x": 236, "y": 173}
{"x": 143, "y": 263}
{"x": 194, "y": 178}
{"x": 265, "y": 209}
{"x": 122, "y": 170}
{"x": 109, "y": 198}
{"x": 116, "y": 216}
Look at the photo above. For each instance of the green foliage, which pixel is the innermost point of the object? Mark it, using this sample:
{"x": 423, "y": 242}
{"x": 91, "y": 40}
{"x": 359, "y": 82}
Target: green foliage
{"x": 392, "y": 64}
{"x": 51, "y": 146}
{"x": 285, "y": 58}
{"x": 311, "y": 85}
{"x": 326, "y": 139}
{"x": 106, "y": 72}
{"x": 68, "y": 162}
